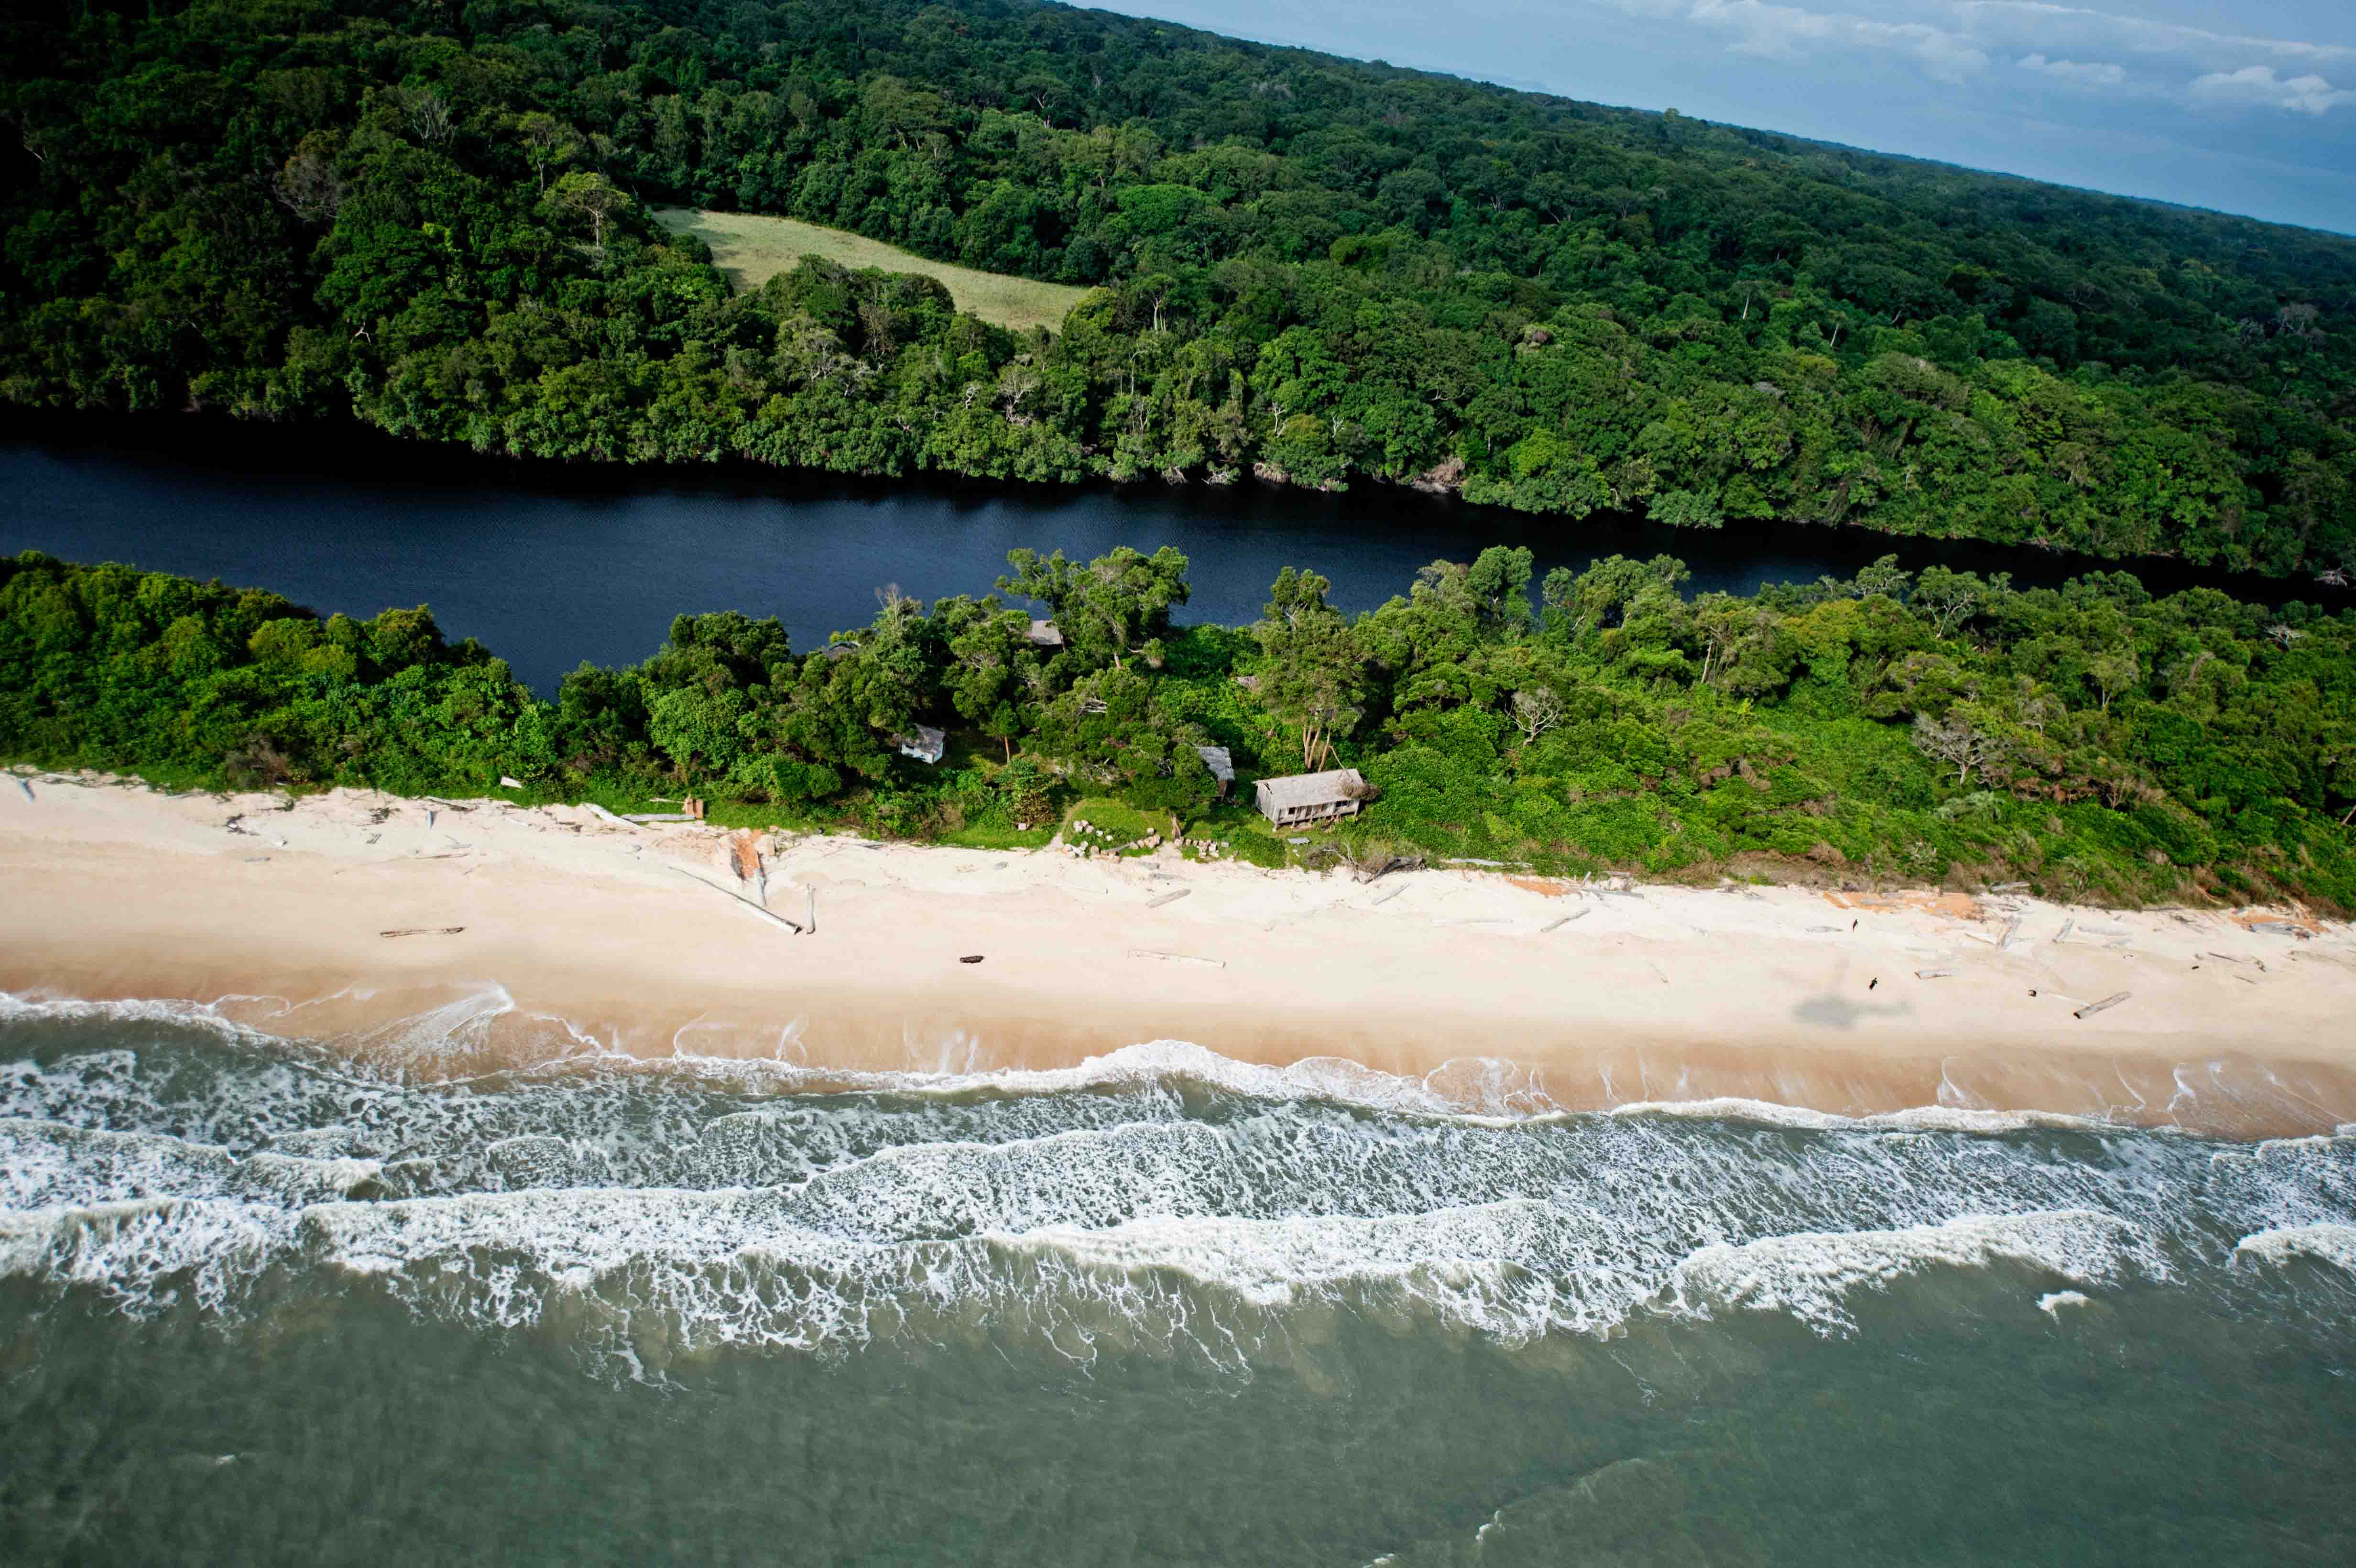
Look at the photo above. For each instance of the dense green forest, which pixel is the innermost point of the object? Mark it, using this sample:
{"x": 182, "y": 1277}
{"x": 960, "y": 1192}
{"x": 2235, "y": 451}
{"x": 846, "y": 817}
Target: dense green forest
{"x": 434, "y": 218}
{"x": 2092, "y": 740}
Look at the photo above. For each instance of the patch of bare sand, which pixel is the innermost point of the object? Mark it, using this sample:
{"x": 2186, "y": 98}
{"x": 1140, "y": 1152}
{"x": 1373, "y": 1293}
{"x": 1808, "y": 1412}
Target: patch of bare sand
{"x": 1504, "y": 997}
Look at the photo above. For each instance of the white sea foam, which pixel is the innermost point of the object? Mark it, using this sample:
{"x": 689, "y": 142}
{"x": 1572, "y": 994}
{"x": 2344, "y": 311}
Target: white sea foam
{"x": 1152, "y": 1061}
{"x": 2327, "y": 1242}
{"x": 1921, "y": 1118}
{"x": 46, "y": 1165}
{"x": 691, "y": 1271}
{"x": 651, "y": 1210}
{"x": 144, "y": 1253}
{"x": 33, "y": 1006}
{"x": 1509, "y": 1269}
{"x": 145, "y": 1218}
{"x": 449, "y": 1043}
{"x": 2052, "y": 1302}
{"x": 1810, "y": 1276}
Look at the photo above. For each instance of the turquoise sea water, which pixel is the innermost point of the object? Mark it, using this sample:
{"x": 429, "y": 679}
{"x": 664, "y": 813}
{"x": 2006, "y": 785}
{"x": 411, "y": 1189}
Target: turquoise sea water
{"x": 268, "y": 1302}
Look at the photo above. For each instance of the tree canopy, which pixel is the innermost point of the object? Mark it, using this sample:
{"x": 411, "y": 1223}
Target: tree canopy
{"x": 2091, "y": 739}
{"x": 436, "y": 220}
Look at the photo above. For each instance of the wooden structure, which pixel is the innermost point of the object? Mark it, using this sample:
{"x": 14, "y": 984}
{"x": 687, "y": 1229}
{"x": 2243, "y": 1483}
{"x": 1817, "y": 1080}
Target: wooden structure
{"x": 1304, "y": 798}
{"x": 923, "y": 743}
{"x": 1222, "y": 765}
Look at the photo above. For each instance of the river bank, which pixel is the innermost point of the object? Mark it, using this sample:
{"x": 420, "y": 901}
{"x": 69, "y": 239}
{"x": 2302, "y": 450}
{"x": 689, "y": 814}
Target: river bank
{"x": 374, "y": 920}
{"x": 522, "y": 553}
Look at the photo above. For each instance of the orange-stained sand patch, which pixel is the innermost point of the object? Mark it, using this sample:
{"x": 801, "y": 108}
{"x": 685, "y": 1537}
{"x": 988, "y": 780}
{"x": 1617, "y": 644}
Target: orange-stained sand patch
{"x": 1544, "y": 886}
{"x": 2276, "y": 922}
{"x": 1920, "y": 901}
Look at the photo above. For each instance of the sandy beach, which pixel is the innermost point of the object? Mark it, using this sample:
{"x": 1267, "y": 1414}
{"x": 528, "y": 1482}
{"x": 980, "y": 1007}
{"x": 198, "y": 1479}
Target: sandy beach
{"x": 374, "y": 920}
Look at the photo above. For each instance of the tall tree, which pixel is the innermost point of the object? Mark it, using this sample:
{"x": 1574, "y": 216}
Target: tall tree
{"x": 1313, "y": 677}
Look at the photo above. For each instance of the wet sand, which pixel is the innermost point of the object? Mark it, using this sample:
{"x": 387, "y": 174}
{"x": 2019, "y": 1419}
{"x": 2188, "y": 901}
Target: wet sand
{"x": 1507, "y": 994}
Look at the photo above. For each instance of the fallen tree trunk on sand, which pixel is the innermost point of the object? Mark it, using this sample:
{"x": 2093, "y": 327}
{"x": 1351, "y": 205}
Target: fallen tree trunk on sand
{"x": 793, "y": 925}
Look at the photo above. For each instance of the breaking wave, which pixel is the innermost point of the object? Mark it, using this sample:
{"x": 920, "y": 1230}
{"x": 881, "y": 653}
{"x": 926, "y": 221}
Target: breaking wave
{"x": 1162, "y": 1199}
{"x": 2331, "y": 1243}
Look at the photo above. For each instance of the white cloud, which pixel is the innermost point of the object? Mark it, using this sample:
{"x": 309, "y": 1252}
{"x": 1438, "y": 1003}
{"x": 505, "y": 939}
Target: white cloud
{"x": 2065, "y": 43}
{"x": 2089, "y": 75}
{"x": 2072, "y": 45}
{"x": 2036, "y": 21}
{"x": 2256, "y": 86}
{"x": 1792, "y": 32}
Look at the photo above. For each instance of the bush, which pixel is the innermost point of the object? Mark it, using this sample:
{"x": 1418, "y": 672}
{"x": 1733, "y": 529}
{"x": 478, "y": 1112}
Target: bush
{"x": 1257, "y": 850}
{"x": 256, "y": 762}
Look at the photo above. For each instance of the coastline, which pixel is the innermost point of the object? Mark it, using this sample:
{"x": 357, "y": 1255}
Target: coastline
{"x": 550, "y": 928}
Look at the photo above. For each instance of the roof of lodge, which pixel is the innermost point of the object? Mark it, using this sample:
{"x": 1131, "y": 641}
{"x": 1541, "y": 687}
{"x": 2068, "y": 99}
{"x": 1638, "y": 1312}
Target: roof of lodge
{"x": 1215, "y": 758}
{"x": 1298, "y": 790}
{"x": 1046, "y": 633}
{"x": 922, "y": 734}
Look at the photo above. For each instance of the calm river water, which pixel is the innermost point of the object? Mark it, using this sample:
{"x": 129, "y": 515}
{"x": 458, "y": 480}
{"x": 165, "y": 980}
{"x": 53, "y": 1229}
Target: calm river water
{"x": 551, "y": 565}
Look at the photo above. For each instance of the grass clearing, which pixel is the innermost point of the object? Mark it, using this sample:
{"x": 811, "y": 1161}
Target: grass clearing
{"x": 1115, "y": 826}
{"x": 751, "y": 250}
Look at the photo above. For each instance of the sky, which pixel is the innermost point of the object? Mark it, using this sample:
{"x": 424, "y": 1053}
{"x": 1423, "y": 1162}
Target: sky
{"x": 2247, "y": 108}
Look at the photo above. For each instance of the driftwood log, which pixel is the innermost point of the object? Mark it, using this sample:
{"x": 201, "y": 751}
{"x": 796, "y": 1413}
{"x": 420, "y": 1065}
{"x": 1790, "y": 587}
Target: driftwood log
{"x": 792, "y": 925}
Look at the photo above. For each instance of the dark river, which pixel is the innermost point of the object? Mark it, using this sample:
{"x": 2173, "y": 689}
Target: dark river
{"x": 549, "y": 565}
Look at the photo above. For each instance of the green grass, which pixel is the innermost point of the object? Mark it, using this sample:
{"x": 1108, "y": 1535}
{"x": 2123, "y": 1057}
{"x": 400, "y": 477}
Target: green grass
{"x": 751, "y": 250}
{"x": 1118, "y": 826}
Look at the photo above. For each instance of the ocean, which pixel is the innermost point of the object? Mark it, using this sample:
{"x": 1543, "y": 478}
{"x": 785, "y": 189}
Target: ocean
{"x": 410, "y": 1297}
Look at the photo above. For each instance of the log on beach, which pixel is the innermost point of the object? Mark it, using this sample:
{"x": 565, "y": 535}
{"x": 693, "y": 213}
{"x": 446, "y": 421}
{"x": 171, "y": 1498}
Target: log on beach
{"x": 794, "y": 926}
{"x": 2112, "y": 1000}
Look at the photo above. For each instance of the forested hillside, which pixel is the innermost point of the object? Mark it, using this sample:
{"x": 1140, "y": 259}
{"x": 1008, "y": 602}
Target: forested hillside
{"x": 2094, "y": 741}
{"x": 435, "y": 218}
